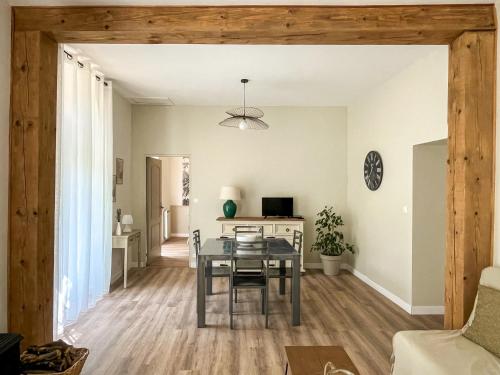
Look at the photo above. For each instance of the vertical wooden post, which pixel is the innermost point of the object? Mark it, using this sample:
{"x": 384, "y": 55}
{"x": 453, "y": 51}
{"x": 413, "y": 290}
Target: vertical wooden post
{"x": 471, "y": 142}
{"x": 31, "y": 185}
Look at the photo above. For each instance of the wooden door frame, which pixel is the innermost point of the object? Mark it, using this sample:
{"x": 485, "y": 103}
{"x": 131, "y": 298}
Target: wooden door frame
{"x": 469, "y": 30}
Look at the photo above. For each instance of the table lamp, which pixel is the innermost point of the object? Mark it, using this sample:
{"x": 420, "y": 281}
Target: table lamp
{"x": 127, "y": 220}
{"x": 230, "y": 194}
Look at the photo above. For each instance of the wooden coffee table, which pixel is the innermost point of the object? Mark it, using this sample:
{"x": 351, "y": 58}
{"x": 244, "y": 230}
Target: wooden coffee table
{"x": 311, "y": 360}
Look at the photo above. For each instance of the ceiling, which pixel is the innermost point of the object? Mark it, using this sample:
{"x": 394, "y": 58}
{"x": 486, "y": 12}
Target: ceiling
{"x": 279, "y": 75}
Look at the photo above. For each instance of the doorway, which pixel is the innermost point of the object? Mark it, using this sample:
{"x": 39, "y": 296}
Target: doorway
{"x": 168, "y": 228}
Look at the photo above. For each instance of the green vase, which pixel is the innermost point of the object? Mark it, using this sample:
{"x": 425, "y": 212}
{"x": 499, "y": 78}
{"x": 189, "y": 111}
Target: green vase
{"x": 229, "y": 209}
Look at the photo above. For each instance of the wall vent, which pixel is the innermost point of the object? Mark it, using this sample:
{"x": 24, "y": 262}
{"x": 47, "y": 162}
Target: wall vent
{"x": 152, "y": 101}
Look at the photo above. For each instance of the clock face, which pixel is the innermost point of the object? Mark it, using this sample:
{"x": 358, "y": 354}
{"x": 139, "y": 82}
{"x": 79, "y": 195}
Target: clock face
{"x": 373, "y": 170}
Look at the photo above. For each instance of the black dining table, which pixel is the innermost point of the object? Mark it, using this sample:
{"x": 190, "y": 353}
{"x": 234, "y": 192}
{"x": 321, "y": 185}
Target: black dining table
{"x": 219, "y": 249}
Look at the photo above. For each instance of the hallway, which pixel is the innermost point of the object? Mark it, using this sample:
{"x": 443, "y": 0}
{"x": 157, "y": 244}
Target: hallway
{"x": 174, "y": 253}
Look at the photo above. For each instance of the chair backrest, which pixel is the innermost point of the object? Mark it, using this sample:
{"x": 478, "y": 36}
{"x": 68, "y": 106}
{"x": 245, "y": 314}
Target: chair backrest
{"x": 252, "y": 250}
{"x": 257, "y": 230}
{"x": 197, "y": 241}
{"x": 297, "y": 240}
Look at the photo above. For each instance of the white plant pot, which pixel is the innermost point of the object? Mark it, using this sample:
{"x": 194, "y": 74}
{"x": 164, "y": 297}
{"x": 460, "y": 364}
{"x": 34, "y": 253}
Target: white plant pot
{"x": 331, "y": 264}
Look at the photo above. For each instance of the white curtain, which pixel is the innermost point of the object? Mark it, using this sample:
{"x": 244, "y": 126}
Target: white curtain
{"x": 83, "y": 189}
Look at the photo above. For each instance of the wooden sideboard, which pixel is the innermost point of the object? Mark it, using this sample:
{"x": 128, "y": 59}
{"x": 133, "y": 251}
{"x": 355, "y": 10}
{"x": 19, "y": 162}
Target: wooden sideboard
{"x": 273, "y": 228}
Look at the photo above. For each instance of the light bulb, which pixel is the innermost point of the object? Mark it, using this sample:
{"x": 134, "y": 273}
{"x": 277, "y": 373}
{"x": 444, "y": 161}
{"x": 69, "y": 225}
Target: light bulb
{"x": 243, "y": 124}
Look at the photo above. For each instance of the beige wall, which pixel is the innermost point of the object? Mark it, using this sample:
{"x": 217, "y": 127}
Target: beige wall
{"x": 429, "y": 223}
{"x": 180, "y": 221}
{"x": 165, "y": 181}
{"x": 175, "y": 182}
{"x": 303, "y": 155}
{"x": 4, "y": 153}
{"x": 408, "y": 109}
{"x": 172, "y": 194}
{"x": 122, "y": 148}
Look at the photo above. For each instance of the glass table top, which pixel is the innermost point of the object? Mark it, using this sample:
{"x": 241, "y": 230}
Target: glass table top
{"x": 216, "y": 247}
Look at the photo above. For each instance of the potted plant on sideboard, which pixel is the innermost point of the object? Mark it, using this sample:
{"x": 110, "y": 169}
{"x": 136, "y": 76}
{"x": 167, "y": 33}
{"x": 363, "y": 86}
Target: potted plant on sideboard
{"x": 330, "y": 241}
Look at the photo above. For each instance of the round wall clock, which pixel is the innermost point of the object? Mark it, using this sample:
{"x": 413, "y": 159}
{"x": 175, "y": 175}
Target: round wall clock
{"x": 373, "y": 170}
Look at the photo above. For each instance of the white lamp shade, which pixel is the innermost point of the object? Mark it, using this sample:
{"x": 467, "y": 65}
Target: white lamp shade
{"x": 230, "y": 193}
{"x": 127, "y": 220}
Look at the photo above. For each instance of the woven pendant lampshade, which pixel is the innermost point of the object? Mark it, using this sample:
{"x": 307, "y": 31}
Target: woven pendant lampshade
{"x": 245, "y": 117}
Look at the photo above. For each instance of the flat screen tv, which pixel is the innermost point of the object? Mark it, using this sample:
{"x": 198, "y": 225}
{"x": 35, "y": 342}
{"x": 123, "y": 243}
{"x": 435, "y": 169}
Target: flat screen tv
{"x": 277, "y": 207}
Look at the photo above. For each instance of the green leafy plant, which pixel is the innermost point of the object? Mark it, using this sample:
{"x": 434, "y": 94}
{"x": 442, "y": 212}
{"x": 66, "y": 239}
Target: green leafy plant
{"x": 330, "y": 240}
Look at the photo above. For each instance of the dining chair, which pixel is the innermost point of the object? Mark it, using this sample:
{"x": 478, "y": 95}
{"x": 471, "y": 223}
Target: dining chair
{"x": 287, "y": 272}
{"x": 256, "y": 279}
{"x": 210, "y": 270}
{"x": 297, "y": 240}
{"x": 196, "y": 243}
{"x": 248, "y": 265}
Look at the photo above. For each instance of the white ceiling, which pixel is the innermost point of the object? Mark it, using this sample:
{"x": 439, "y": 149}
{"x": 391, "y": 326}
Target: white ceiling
{"x": 279, "y": 75}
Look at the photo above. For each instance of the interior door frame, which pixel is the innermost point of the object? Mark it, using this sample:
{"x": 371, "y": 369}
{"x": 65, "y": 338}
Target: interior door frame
{"x": 190, "y": 184}
{"x": 468, "y": 30}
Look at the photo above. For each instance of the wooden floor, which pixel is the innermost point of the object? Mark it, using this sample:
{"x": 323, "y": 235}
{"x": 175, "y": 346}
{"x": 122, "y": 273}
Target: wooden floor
{"x": 174, "y": 253}
{"x": 150, "y": 328}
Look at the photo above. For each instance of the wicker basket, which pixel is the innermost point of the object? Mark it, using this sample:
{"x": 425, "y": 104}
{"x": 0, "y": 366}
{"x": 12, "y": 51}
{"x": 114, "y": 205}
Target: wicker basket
{"x": 77, "y": 367}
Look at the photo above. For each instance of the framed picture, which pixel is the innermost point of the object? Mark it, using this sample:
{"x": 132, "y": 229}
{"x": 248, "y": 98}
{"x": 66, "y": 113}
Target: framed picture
{"x": 185, "y": 181}
{"x": 119, "y": 171}
{"x": 114, "y": 188}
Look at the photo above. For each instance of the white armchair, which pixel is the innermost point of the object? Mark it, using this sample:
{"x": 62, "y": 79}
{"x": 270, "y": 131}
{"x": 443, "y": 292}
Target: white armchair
{"x": 445, "y": 352}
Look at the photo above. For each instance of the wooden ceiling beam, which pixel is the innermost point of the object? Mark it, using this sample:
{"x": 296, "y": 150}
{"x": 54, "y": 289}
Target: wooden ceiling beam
{"x": 429, "y": 24}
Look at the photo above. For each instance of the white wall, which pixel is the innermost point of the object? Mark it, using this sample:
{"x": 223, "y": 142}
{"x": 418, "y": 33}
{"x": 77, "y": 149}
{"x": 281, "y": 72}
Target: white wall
{"x": 122, "y": 148}
{"x": 429, "y": 224}
{"x": 4, "y": 154}
{"x": 303, "y": 155}
{"x": 408, "y": 109}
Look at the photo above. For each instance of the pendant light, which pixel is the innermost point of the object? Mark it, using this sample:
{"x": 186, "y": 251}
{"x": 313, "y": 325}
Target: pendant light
{"x": 245, "y": 117}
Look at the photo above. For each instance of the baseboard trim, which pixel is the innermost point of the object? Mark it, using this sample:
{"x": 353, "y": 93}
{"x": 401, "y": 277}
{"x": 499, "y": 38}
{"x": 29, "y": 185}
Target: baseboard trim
{"x": 413, "y": 310}
{"x": 313, "y": 266}
{"x": 427, "y": 310}
{"x": 186, "y": 235}
{"x": 391, "y": 296}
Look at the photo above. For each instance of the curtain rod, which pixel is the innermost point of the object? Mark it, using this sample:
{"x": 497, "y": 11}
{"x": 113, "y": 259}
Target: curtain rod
{"x": 70, "y": 56}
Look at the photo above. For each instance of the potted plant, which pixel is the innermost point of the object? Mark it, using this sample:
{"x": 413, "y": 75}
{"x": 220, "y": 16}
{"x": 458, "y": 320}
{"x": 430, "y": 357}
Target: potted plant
{"x": 330, "y": 241}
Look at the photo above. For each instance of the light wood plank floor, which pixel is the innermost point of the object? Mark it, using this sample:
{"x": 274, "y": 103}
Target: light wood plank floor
{"x": 174, "y": 253}
{"x": 150, "y": 328}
